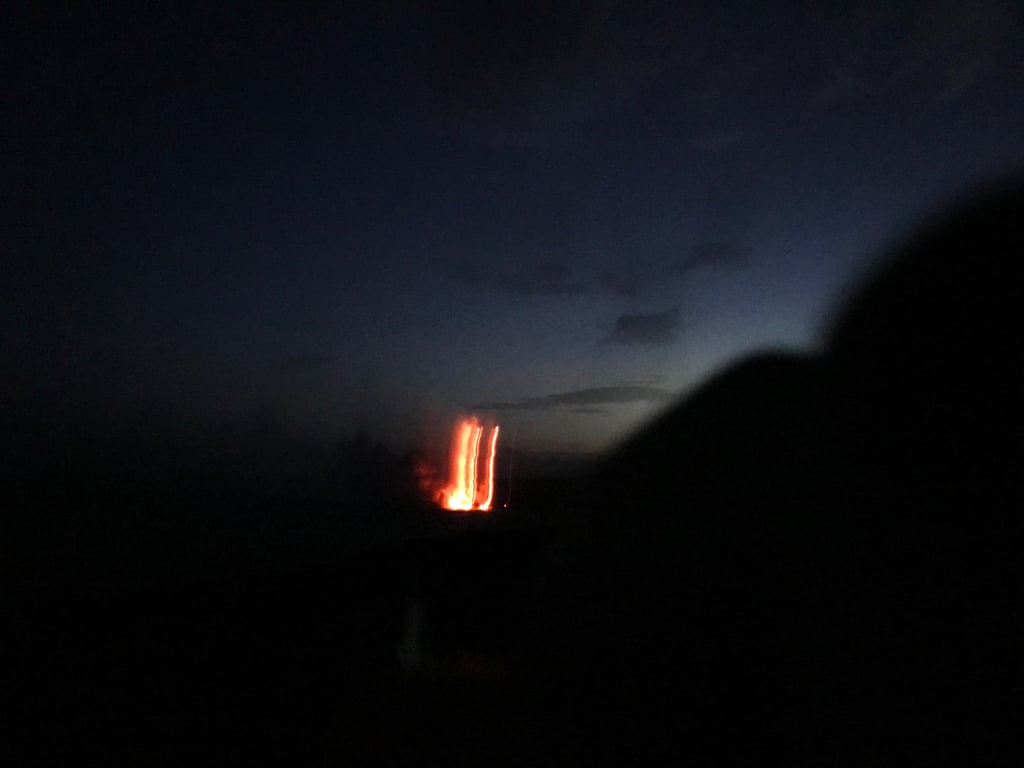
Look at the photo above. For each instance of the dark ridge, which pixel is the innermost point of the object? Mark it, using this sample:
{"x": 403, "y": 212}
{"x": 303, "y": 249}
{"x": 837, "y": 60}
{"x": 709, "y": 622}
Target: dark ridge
{"x": 816, "y": 559}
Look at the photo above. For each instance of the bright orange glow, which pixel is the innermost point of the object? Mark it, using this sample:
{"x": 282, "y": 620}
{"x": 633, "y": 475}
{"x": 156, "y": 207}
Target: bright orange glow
{"x": 464, "y": 492}
{"x": 474, "y": 459}
{"x": 489, "y": 482}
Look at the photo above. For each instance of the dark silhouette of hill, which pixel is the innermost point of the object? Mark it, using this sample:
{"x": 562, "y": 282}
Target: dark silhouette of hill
{"x": 816, "y": 559}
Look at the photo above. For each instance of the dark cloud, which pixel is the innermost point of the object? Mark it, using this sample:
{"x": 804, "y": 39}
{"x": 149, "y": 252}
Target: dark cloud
{"x": 550, "y": 279}
{"x": 842, "y": 85}
{"x": 940, "y": 49}
{"x": 558, "y": 279}
{"x": 534, "y": 73}
{"x": 587, "y": 401}
{"x": 714, "y": 254}
{"x": 496, "y": 47}
{"x": 309, "y": 360}
{"x": 719, "y": 140}
{"x": 958, "y": 42}
{"x": 617, "y": 284}
{"x": 493, "y": 63}
{"x": 652, "y": 328}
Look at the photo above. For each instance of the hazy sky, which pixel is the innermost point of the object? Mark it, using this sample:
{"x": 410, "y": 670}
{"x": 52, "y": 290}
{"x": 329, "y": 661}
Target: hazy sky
{"x": 311, "y": 222}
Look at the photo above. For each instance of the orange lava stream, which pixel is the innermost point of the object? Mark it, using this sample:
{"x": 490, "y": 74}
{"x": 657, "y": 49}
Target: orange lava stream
{"x": 490, "y": 468}
{"x": 463, "y": 492}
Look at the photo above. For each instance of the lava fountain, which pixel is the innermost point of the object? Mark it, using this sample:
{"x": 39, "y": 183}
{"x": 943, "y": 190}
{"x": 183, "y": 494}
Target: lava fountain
{"x": 470, "y": 483}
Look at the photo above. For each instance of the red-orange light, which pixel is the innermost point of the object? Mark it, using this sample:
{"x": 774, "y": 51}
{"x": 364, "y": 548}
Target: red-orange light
{"x": 464, "y": 492}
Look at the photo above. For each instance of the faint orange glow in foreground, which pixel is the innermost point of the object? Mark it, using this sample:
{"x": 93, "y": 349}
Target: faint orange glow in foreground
{"x": 470, "y": 470}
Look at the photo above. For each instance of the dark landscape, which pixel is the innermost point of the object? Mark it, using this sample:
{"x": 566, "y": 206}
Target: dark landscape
{"x": 512, "y": 384}
{"x": 820, "y": 553}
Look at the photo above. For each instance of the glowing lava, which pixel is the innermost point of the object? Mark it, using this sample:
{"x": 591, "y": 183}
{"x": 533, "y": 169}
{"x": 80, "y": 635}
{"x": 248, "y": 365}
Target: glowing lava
{"x": 470, "y": 476}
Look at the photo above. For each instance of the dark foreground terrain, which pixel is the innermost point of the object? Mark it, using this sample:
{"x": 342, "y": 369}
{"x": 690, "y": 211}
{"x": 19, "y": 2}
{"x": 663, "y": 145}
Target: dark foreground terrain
{"x": 813, "y": 560}
{"x": 287, "y": 657}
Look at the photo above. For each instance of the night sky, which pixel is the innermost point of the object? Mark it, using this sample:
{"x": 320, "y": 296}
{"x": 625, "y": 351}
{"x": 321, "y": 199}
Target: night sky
{"x": 288, "y": 224}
